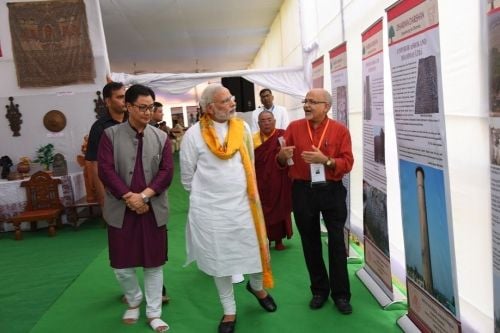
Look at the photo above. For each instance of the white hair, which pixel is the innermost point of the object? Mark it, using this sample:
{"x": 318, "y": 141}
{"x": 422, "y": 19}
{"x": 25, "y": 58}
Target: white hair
{"x": 207, "y": 96}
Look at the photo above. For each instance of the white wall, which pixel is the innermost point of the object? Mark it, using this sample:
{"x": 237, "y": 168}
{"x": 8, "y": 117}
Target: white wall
{"x": 282, "y": 48}
{"x": 464, "y": 73}
{"x": 75, "y": 101}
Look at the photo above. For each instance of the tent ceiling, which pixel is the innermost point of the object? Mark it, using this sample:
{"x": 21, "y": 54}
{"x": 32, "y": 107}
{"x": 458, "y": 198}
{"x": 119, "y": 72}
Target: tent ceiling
{"x": 185, "y": 36}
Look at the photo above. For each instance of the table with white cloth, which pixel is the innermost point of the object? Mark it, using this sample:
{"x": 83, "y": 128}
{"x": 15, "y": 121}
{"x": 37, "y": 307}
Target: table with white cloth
{"x": 13, "y": 198}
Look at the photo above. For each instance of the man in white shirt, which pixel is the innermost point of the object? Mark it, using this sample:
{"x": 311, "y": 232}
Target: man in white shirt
{"x": 279, "y": 112}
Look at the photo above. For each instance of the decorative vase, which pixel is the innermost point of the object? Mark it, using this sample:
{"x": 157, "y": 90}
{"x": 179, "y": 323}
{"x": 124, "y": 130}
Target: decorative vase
{"x": 23, "y": 167}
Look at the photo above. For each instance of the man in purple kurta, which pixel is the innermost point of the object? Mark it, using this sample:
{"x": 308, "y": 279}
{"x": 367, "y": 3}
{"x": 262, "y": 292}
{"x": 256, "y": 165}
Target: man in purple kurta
{"x": 127, "y": 246}
{"x": 273, "y": 182}
{"x": 136, "y": 168}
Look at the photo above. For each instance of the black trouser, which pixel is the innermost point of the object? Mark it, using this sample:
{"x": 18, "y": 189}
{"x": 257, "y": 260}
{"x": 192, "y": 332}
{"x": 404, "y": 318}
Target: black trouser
{"x": 329, "y": 199}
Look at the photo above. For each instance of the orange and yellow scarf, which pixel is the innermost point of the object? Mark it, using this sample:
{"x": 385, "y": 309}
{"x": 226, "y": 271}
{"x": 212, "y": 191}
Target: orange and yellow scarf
{"x": 235, "y": 142}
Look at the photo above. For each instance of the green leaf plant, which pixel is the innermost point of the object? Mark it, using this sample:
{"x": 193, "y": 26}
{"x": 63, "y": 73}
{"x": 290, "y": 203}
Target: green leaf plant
{"x": 45, "y": 156}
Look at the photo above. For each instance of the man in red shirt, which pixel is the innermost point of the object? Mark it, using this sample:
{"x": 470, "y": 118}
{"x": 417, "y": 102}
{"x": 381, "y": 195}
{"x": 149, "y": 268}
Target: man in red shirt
{"x": 320, "y": 149}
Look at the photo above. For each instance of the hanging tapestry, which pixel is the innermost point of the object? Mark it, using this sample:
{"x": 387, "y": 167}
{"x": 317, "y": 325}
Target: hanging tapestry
{"x": 50, "y": 43}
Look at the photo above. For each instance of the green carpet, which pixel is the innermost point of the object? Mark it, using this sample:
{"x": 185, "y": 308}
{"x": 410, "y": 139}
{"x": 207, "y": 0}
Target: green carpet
{"x": 36, "y": 271}
{"x": 65, "y": 284}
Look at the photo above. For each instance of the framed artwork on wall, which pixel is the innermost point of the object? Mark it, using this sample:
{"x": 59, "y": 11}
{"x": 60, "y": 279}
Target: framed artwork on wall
{"x": 50, "y": 43}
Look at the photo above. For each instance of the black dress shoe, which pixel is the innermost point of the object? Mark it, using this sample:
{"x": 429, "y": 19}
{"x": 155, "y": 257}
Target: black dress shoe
{"x": 317, "y": 301}
{"x": 227, "y": 327}
{"x": 267, "y": 302}
{"x": 343, "y": 306}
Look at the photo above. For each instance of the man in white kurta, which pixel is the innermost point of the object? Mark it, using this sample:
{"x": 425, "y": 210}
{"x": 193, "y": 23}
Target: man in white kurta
{"x": 279, "y": 112}
{"x": 220, "y": 234}
{"x": 219, "y": 210}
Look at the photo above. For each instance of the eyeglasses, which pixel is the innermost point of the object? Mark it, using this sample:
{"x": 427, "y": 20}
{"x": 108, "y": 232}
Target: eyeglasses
{"x": 144, "y": 108}
{"x": 312, "y": 102}
{"x": 227, "y": 100}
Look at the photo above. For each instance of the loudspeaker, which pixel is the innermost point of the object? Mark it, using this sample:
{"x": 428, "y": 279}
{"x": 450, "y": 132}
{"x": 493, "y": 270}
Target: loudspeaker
{"x": 242, "y": 90}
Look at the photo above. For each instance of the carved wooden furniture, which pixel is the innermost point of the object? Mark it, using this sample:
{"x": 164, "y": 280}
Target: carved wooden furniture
{"x": 14, "y": 117}
{"x": 88, "y": 205}
{"x": 43, "y": 203}
{"x": 82, "y": 209}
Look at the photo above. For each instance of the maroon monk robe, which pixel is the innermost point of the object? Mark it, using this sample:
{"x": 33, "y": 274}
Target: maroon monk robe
{"x": 274, "y": 189}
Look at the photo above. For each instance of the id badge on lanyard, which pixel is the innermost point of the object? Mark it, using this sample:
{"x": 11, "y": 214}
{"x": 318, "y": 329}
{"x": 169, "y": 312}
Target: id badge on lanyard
{"x": 317, "y": 170}
{"x": 317, "y": 173}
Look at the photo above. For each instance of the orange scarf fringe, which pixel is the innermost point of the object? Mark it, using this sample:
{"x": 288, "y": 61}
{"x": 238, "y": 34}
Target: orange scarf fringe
{"x": 235, "y": 142}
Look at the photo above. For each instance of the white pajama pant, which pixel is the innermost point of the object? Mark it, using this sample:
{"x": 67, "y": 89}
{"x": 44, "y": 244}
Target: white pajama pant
{"x": 224, "y": 286}
{"x": 153, "y": 284}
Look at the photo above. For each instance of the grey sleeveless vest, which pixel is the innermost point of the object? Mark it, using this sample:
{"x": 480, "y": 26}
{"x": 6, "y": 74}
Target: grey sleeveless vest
{"x": 124, "y": 141}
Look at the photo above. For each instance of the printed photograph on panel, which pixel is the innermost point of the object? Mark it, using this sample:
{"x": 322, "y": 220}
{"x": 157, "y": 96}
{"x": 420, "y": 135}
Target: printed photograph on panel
{"x": 496, "y": 295}
{"x": 367, "y": 98}
{"x": 193, "y": 116}
{"x": 177, "y": 117}
{"x": 426, "y": 96}
{"x": 425, "y": 224}
{"x": 494, "y": 64}
{"x": 375, "y": 217}
{"x": 495, "y": 146}
{"x": 342, "y": 104}
{"x": 379, "y": 144}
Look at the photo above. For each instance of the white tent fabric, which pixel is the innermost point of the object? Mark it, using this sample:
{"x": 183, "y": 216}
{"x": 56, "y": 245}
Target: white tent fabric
{"x": 293, "y": 81}
{"x": 290, "y": 81}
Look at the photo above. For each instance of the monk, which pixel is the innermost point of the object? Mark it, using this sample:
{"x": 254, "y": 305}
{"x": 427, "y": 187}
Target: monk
{"x": 273, "y": 181}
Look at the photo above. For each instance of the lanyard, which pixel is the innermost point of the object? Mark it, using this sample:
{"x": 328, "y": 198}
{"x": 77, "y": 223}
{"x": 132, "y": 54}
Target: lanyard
{"x": 322, "y": 134}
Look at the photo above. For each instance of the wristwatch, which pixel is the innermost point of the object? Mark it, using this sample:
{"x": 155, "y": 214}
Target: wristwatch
{"x": 144, "y": 198}
{"x": 329, "y": 162}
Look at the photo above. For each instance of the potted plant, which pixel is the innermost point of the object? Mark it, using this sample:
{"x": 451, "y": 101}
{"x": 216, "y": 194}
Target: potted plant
{"x": 45, "y": 156}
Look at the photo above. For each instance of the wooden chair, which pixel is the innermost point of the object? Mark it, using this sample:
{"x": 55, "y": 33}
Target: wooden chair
{"x": 88, "y": 205}
{"x": 82, "y": 209}
{"x": 42, "y": 195}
